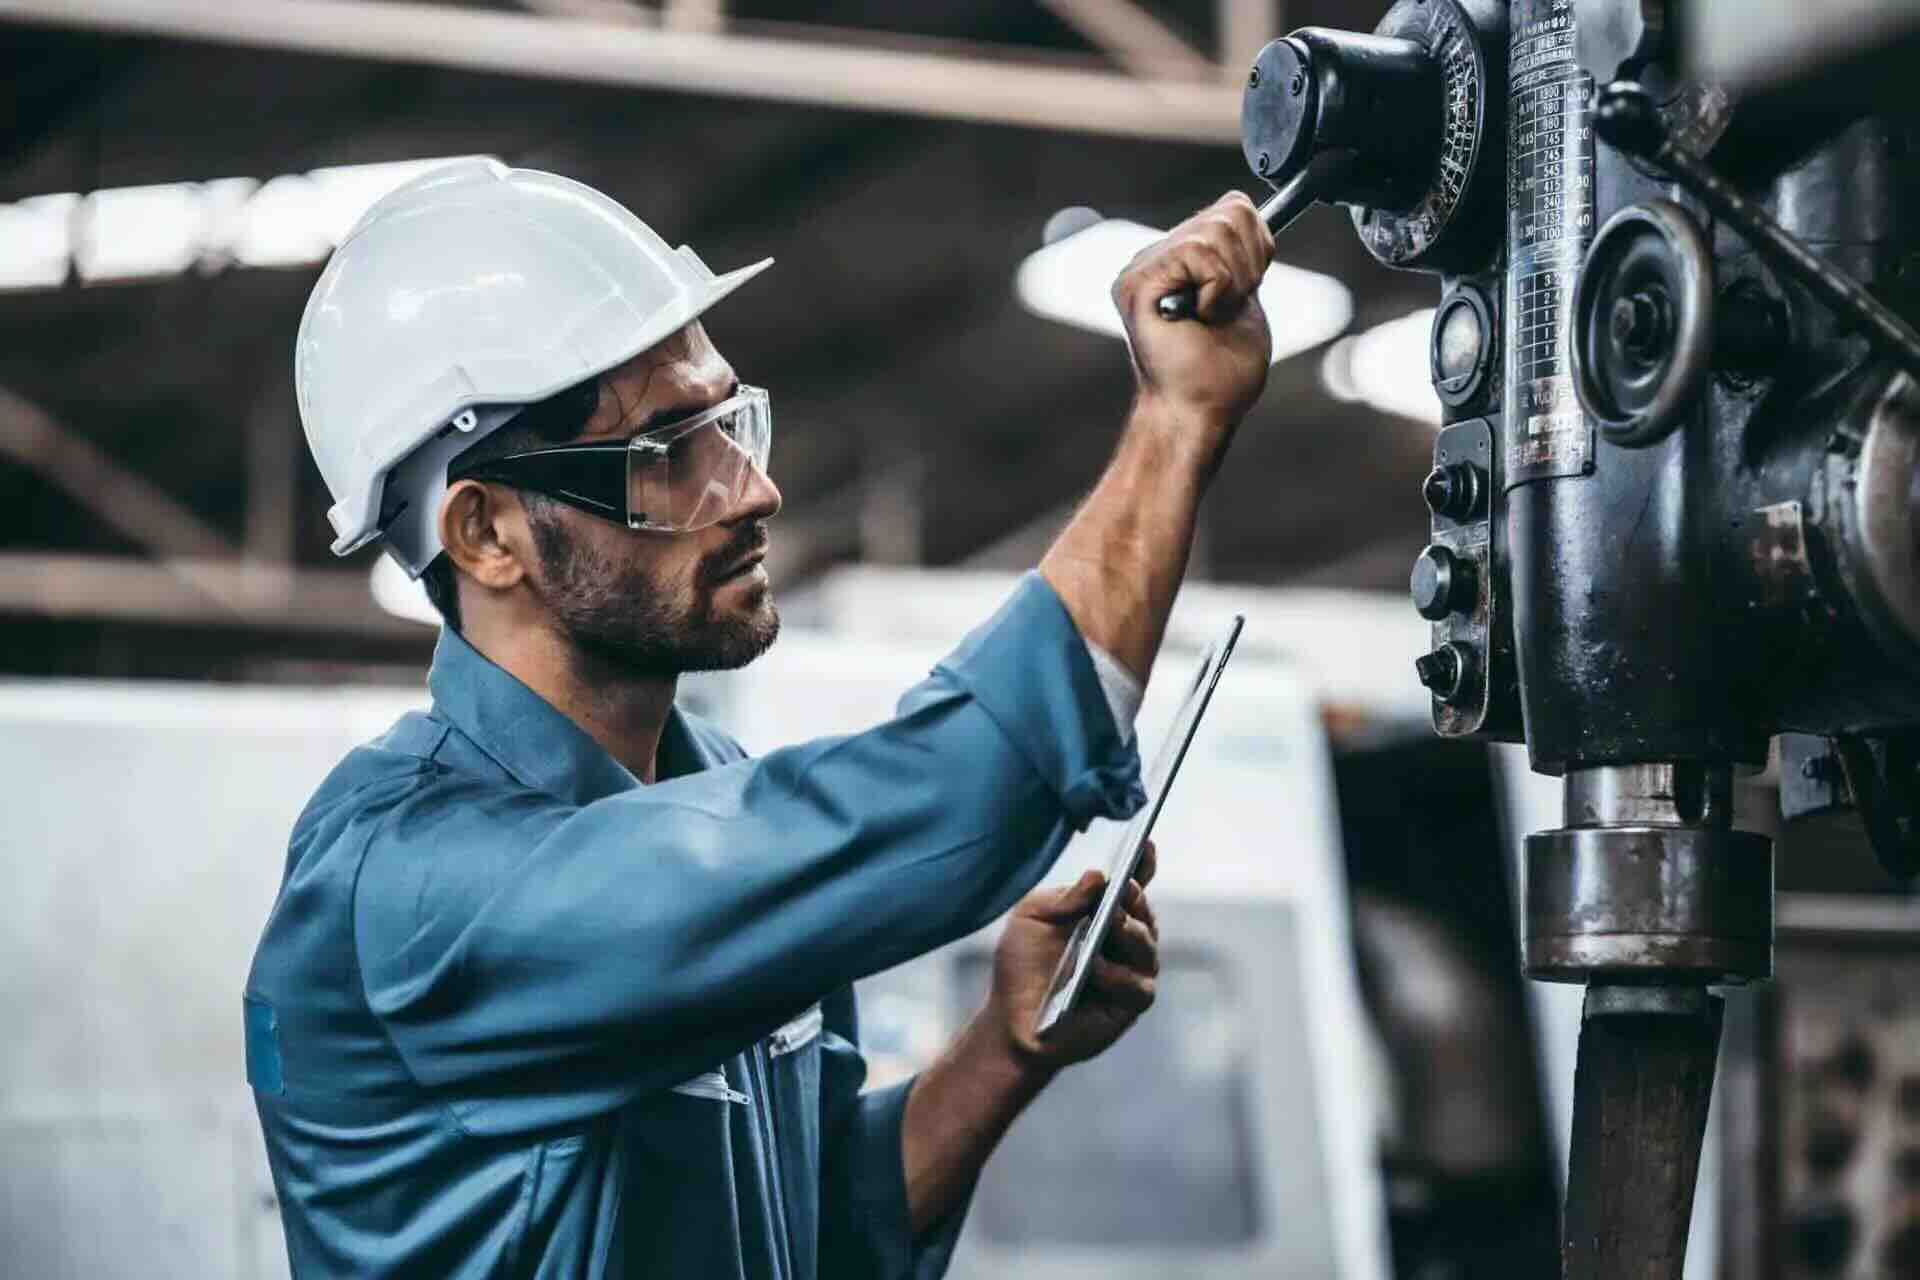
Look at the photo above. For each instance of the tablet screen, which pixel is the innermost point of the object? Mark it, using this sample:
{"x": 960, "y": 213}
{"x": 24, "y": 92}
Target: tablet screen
{"x": 1091, "y": 933}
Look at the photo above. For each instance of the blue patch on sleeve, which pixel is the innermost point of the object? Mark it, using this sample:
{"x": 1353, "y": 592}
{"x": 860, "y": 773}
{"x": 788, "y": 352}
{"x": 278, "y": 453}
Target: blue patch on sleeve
{"x": 263, "y": 1047}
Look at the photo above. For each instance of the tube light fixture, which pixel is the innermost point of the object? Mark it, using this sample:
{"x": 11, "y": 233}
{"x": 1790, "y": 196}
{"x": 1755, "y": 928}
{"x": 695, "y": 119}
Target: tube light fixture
{"x": 1386, "y": 367}
{"x": 144, "y": 233}
{"x": 1070, "y": 281}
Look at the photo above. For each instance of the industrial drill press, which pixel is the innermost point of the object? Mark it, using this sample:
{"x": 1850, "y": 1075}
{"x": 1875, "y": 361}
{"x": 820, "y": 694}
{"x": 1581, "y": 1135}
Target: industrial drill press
{"x": 1675, "y": 499}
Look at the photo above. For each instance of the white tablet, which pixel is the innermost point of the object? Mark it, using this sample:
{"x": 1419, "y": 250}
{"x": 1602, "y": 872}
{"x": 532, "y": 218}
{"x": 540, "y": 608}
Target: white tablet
{"x": 1091, "y": 933}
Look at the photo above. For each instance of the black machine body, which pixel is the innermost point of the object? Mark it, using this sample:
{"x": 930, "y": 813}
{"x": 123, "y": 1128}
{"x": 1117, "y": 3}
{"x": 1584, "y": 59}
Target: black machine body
{"x": 1691, "y": 524}
{"x": 1675, "y": 498}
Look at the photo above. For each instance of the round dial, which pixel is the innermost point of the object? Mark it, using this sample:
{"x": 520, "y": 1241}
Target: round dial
{"x": 1470, "y": 140}
{"x": 1415, "y": 108}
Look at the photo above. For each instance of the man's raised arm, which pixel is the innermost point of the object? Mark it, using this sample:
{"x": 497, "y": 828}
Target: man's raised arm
{"x": 1119, "y": 562}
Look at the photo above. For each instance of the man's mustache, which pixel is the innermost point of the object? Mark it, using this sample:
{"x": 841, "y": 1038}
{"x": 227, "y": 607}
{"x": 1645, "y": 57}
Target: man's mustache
{"x": 751, "y": 539}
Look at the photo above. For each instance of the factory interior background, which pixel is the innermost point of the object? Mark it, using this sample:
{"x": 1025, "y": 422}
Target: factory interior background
{"x": 1345, "y": 1075}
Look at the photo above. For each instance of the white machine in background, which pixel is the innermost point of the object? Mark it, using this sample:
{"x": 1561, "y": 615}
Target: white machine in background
{"x": 142, "y": 841}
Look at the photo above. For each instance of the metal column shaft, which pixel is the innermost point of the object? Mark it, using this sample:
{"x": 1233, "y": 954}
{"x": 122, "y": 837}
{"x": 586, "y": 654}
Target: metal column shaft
{"x": 1639, "y": 1115}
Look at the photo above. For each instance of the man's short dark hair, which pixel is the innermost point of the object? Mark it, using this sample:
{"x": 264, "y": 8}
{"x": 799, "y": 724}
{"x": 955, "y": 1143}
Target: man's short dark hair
{"x": 555, "y": 420}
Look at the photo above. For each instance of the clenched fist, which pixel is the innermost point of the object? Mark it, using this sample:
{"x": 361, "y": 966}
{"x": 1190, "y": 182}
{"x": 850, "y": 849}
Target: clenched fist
{"x": 1204, "y": 372}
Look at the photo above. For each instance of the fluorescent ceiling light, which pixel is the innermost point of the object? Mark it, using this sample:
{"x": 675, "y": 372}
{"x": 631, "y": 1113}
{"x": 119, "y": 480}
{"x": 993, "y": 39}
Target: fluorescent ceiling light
{"x": 341, "y": 195}
{"x": 137, "y": 233}
{"x": 282, "y": 225}
{"x": 36, "y": 238}
{"x": 133, "y": 233}
{"x": 1070, "y": 281}
{"x": 399, "y": 595}
{"x": 1386, "y": 367}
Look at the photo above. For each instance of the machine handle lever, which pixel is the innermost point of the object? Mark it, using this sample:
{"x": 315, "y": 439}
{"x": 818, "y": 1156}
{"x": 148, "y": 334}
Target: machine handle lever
{"x": 1321, "y": 174}
{"x": 1627, "y": 119}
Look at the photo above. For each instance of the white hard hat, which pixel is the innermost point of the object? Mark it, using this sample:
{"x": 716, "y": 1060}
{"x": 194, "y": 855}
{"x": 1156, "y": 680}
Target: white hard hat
{"x": 456, "y": 298}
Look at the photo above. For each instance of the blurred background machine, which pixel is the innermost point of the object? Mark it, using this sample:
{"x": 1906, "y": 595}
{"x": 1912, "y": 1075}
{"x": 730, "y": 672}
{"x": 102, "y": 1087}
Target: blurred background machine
{"x": 1675, "y": 505}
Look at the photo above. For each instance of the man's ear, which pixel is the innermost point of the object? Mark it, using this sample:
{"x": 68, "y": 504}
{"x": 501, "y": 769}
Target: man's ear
{"x": 485, "y": 533}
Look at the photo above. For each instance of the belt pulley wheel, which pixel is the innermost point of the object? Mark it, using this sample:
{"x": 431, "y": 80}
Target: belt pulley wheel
{"x": 1643, "y": 323}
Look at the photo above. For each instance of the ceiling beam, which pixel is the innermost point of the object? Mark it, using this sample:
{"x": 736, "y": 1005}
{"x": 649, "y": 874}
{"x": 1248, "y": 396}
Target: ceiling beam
{"x": 985, "y": 90}
{"x": 621, "y": 12}
{"x": 124, "y": 501}
{"x": 1246, "y": 27}
{"x": 693, "y": 15}
{"x": 195, "y": 592}
{"x": 1134, "y": 38}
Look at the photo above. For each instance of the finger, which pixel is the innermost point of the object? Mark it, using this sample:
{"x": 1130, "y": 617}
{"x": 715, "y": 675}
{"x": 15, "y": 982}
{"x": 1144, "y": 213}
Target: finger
{"x": 1067, "y": 902}
{"x": 1149, "y": 865}
{"x": 1227, "y": 231}
{"x": 1203, "y": 253}
{"x": 1131, "y": 943}
{"x": 1119, "y": 985}
{"x": 1135, "y": 901}
{"x": 1253, "y": 228}
{"x": 1200, "y": 263}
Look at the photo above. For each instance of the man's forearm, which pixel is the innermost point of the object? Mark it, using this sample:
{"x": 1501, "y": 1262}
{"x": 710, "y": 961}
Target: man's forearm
{"x": 958, "y": 1110}
{"x": 1117, "y": 566}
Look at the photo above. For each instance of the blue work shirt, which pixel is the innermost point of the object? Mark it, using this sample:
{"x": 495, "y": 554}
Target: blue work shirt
{"x": 515, "y": 1013}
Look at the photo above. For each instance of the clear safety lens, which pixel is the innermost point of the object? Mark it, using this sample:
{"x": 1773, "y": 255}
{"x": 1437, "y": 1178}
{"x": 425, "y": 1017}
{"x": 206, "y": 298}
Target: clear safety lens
{"x": 694, "y": 473}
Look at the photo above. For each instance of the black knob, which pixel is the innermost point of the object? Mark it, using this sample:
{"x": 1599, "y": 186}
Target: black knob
{"x": 1829, "y": 1146}
{"x": 1907, "y": 1097}
{"x": 1321, "y": 90}
{"x": 1853, "y": 1063}
{"x": 1447, "y": 672}
{"x": 1456, "y": 491}
{"x": 1900, "y": 1255}
{"x": 1823, "y": 1237}
{"x": 1442, "y": 583}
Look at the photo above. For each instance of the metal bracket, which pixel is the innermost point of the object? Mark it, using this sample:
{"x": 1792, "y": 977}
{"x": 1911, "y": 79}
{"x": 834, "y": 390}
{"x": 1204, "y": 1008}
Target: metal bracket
{"x": 1480, "y": 639}
{"x": 1884, "y": 776}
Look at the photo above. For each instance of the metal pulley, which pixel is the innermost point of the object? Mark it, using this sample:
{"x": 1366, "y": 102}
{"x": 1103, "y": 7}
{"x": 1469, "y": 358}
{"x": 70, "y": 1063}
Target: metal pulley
{"x": 1642, "y": 339}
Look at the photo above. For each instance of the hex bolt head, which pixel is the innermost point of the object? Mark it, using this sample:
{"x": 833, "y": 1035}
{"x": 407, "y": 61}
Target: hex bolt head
{"x": 1253, "y": 78}
{"x": 1298, "y": 84}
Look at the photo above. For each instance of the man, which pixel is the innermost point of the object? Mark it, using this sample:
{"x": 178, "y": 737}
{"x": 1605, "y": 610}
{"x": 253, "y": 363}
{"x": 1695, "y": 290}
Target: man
{"x": 558, "y": 980}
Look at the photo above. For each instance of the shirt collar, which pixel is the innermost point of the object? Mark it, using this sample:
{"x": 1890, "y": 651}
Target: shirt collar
{"x": 529, "y": 737}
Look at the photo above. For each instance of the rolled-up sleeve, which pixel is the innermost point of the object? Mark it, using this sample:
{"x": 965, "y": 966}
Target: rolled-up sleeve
{"x": 540, "y": 961}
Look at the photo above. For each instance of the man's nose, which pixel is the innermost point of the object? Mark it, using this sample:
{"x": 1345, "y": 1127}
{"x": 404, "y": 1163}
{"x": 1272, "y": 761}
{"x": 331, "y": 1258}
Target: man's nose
{"x": 760, "y": 501}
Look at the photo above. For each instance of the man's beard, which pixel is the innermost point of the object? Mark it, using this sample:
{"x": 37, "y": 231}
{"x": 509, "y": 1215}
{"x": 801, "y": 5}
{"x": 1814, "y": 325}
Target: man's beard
{"x": 626, "y": 622}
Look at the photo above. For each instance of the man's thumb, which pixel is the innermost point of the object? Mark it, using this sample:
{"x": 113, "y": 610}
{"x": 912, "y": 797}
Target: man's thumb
{"x": 1070, "y": 901}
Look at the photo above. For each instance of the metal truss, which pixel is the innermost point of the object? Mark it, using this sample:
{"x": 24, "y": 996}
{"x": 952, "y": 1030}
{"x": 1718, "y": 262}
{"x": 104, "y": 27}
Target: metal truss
{"x": 685, "y": 46}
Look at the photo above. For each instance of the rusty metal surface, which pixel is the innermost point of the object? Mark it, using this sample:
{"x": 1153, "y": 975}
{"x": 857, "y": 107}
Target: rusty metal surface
{"x": 1639, "y": 1114}
{"x": 1684, "y": 902}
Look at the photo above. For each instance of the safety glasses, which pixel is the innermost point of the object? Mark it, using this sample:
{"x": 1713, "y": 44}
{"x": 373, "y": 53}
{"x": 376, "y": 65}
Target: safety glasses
{"x": 676, "y": 479}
